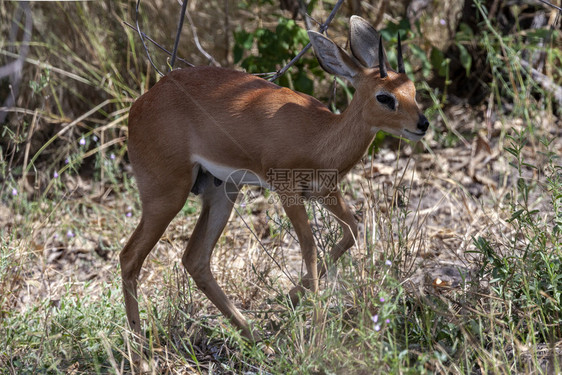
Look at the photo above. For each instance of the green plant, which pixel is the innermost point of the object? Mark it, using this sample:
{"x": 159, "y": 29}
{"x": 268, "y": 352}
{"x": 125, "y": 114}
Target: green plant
{"x": 525, "y": 269}
{"x": 274, "y": 49}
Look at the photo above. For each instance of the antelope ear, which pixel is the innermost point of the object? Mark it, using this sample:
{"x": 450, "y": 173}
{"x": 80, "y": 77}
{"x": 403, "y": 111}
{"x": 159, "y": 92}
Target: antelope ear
{"x": 364, "y": 42}
{"x": 332, "y": 58}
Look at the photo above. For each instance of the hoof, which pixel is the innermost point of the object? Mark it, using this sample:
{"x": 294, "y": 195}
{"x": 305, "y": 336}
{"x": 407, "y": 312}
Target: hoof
{"x": 140, "y": 366}
{"x": 296, "y": 294}
{"x": 267, "y": 349}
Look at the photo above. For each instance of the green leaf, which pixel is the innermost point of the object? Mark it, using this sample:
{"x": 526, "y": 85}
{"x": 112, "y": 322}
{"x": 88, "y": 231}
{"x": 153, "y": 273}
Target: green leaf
{"x": 237, "y": 53}
{"x": 466, "y": 59}
{"x": 420, "y": 54}
{"x": 303, "y": 83}
{"x": 437, "y": 59}
{"x": 537, "y": 34}
{"x": 516, "y": 215}
{"x": 465, "y": 33}
{"x": 243, "y": 41}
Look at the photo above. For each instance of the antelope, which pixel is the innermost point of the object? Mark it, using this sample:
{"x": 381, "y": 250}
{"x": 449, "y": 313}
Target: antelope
{"x": 199, "y": 128}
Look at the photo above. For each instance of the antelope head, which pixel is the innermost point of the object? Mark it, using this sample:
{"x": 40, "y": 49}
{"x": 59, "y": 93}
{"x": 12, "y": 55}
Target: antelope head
{"x": 386, "y": 98}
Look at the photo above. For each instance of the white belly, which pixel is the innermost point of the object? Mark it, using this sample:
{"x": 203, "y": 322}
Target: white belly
{"x": 229, "y": 174}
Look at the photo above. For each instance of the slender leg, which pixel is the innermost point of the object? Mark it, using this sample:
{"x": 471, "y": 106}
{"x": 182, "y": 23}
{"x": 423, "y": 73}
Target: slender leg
{"x": 158, "y": 211}
{"x": 217, "y": 206}
{"x": 344, "y": 215}
{"x": 299, "y": 218}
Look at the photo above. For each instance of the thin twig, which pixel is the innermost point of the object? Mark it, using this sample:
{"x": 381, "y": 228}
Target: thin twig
{"x": 226, "y": 31}
{"x": 178, "y": 34}
{"x": 303, "y": 12}
{"x": 13, "y": 70}
{"x": 142, "y": 39}
{"x": 552, "y": 5}
{"x": 291, "y": 279}
{"x": 158, "y": 45}
{"x": 323, "y": 28}
{"x": 544, "y": 81}
{"x": 207, "y": 55}
{"x": 14, "y": 73}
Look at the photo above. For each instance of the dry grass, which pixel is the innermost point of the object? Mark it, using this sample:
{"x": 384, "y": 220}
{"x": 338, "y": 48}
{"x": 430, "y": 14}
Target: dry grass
{"x": 419, "y": 210}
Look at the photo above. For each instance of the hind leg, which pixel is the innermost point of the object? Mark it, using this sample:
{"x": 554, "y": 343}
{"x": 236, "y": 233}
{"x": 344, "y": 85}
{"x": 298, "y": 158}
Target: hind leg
{"x": 217, "y": 206}
{"x": 160, "y": 204}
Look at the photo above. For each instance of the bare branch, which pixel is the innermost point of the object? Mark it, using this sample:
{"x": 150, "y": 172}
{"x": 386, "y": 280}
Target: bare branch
{"x": 323, "y": 28}
{"x": 305, "y": 17}
{"x": 544, "y": 81}
{"x": 178, "y": 33}
{"x": 13, "y": 69}
{"x": 207, "y": 55}
{"x": 551, "y": 5}
{"x": 158, "y": 45}
{"x": 142, "y": 39}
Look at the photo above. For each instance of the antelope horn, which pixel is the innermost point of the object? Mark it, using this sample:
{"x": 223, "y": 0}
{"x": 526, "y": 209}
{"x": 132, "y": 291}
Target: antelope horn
{"x": 382, "y": 63}
{"x": 400, "y": 58}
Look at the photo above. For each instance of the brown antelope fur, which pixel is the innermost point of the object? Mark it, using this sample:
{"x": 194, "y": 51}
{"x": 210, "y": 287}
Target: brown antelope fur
{"x": 197, "y": 126}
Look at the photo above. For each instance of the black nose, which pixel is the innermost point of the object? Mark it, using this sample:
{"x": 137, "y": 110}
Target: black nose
{"x": 423, "y": 124}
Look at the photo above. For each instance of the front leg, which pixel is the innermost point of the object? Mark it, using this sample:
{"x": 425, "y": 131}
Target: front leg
{"x": 296, "y": 212}
{"x": 334, "y": 203}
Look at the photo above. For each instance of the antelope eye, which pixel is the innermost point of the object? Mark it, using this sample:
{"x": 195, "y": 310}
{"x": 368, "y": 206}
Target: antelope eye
{"x": 387, "y": 100}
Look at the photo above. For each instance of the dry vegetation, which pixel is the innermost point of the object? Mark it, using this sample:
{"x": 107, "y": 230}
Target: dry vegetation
{"x": 459, "y": 247}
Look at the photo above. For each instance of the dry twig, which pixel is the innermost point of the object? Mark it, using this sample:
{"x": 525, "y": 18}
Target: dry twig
{"x": 158, "y": 45}
{"x": 142, "y": 39}
{"x": 14, "y": 69}
{"x": 323, "y": 28}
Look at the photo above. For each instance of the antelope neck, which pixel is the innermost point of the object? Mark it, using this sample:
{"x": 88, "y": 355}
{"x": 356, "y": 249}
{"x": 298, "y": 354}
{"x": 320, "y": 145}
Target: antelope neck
{"x": 345, "y": 140}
